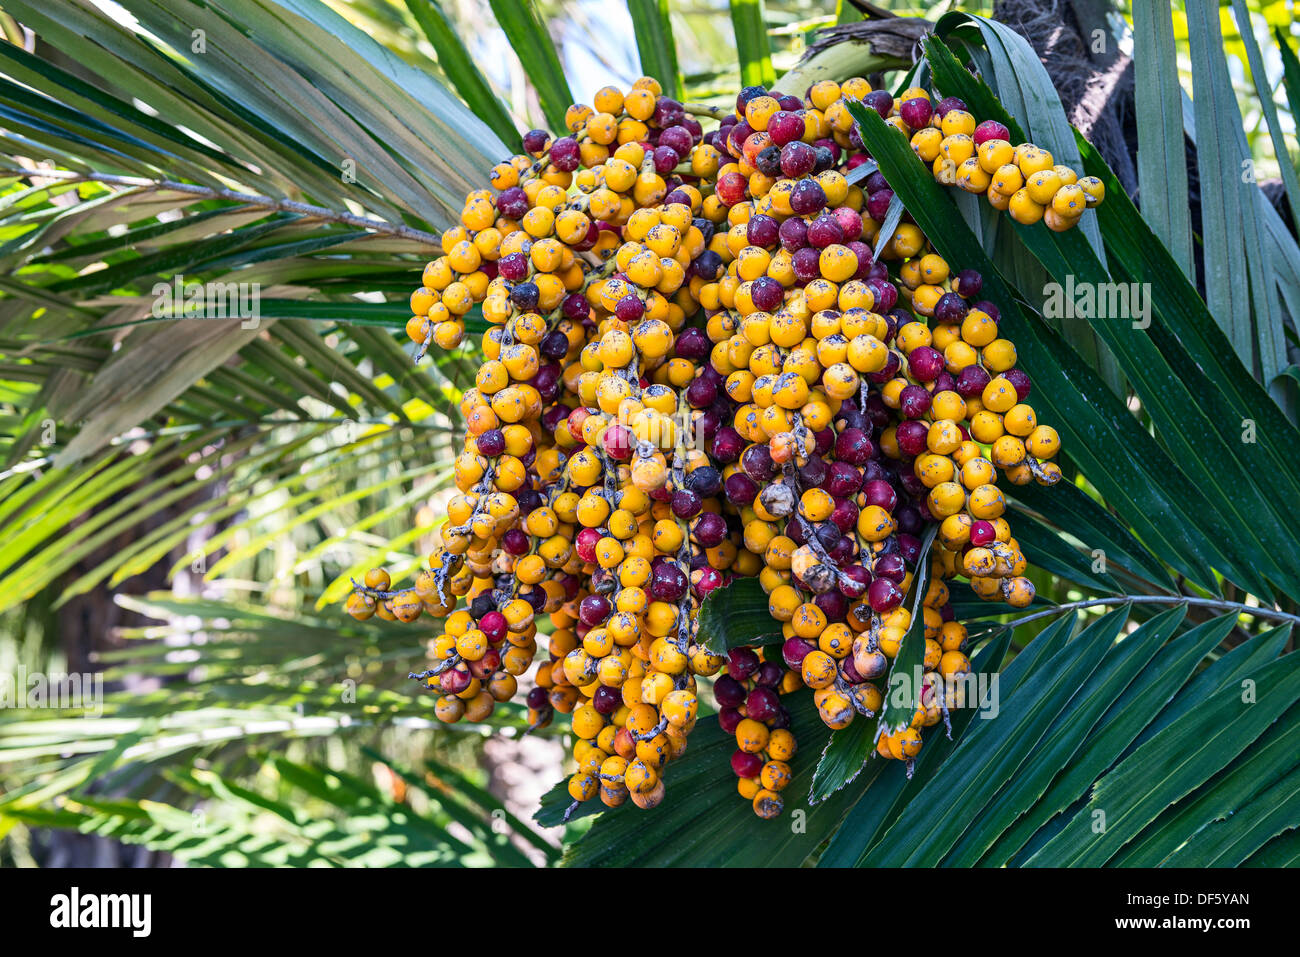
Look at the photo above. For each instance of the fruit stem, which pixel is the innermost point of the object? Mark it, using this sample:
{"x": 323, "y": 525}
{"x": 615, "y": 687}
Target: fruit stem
{"x": 1238, "y": 607}
{"x": 702, "y": 109}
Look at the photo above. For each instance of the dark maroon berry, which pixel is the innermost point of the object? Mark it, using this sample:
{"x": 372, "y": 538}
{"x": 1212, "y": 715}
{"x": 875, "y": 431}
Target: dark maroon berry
{"x": 513, "y": 203}
{"x": 968, "y": 283}
{"x": 768, "y": 675}
{"x": 728, "y": 692}
{"x": 914, "y": 401}
{"x": 916, "y": 112}
{"x": 535, "y": 141}
{"x": 793, "y": 234}
{"x": 911, "y": 435}
{"x": 854, "y": 580}
{"x": 524, "y": 296}
{"x": 513, "y": 267}
{"x": 785, "y": 127}
{"x": 746, "y": 765}
{"x": 701, "y": 393}
{"x": 606, "y": 700}
{"x": 950, "y": 308}
{"x": 768, "y": 161}
{"x": 665, "y": 159}
{"x": 565, "y": 155}
{"x": 686, "y": 504}
{"x": 576, "y": 307}
{"x": 727, "y": 443}
{"x": 806, "y": 263}
{"x": 491, "y": 443}
{"x": 1020, "y": 381}
{"x": 824, "y": 231}
{"x": 853, "y": 447}
{"x": 741, "y": 663}
{"x": 667, "y": 582}
{"x": 594, "y": 610}
{"x": 884, "y": 596}
{"x": 795, "y": 650}
{"x": 762, "y": 704}
{"x": 890, "y": 566}
{"x": 807, "y": 197}
{"x": 833, "y": 604}
{"x": 692, "y": 344}
{"x": 762, "y": 230}
{"x": 881, "y": 494}
{"x": 554, "y": 346}
{"x": 845, "y": 515}
{"x": 878, "y": 204}
{"x": 708, "y": 265}
{"x": 677, "y": 137}
{"x": 925, "y": 364}
{"x": 842, "y": 479}
{"x": 515, "y": 544}
{"x": 971, "y": 381}
{"x": 630, "y": 308}
{"x": 949, "y": 103}
{"x": 813, "y": 472}
{"x": 767, "y": 293}
{"x": 909, "y": 517}
{"x": 990, "y": 130}
{"x": 709, "y": 529}
{"x": 757, "y": 463}
{"x": 797, "y": 159}
{"x": 880, "y": 101}
{"x": 705, "y": 481}
{"x": 741, "y": 489}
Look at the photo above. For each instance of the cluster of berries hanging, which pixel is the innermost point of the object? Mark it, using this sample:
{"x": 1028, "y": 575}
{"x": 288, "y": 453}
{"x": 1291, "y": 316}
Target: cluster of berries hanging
{"x": 710, "y": 355}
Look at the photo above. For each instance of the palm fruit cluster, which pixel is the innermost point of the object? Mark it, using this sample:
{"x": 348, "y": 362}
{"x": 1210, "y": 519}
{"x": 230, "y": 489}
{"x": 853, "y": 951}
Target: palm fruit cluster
{"x": 706, "y": 358}
{"x": 1024, "y": 179}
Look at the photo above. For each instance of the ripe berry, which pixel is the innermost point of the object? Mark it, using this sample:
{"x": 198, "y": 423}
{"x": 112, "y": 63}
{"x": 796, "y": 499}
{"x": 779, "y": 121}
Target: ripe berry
{"x": 793, "y": 234}
{"x": 884, "y": 595}
{"x": 746, "y": 765}
{"x": 914, "y": 401}
{"x": 925, "y": 364}
{"x": 807, "y": 197}
{"x": 988, "y": 130}
{"x": 762, "y": 704}
{"x": 766, "y": 293}
{"x": 785, "y": 127}
{"x": 878, "y": 203}
{"x": 535, "y": 141}
{"x": 853, "y": 447}
{"x": 762, "y": 230}
{"x": 880, "y": 101}
{"x": 728, "y": 691}
{"x": 565, "y": 155}
{"x": 950, "y": 103}
{"x": 741, "y": 663}
{"x": 797, "y": 159}
{"x": 668, "y": 582}
{"x": 916, "y": 112}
